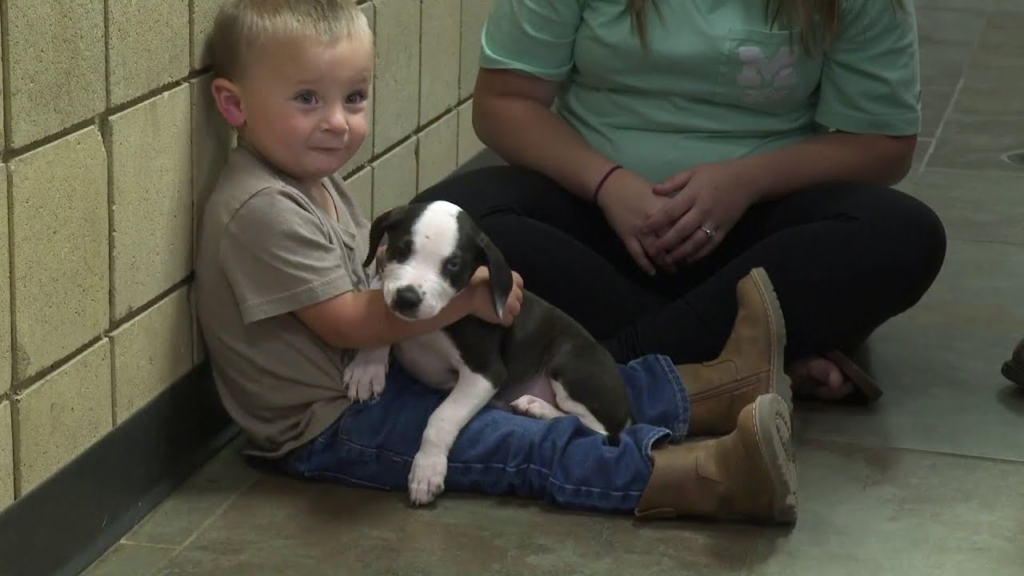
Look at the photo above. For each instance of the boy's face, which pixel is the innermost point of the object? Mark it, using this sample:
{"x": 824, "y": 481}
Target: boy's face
{"x": 302, "y": 104}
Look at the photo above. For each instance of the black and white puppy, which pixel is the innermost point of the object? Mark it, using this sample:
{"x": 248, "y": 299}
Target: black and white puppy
{"x": 544, "y": 365}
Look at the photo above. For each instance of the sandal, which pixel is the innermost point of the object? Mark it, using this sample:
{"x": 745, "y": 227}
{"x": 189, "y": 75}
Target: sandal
{"x": 864, "y": 389}
{"x": 864, "y": 386}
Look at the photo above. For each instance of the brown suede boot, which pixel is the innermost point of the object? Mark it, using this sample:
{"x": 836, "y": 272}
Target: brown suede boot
{"x": 750, "y": 474}
{"x": 751, "y": 363}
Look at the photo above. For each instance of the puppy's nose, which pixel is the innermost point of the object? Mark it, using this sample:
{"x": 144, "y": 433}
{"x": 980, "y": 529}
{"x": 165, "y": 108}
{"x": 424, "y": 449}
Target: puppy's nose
{"x": 407, "y": 299}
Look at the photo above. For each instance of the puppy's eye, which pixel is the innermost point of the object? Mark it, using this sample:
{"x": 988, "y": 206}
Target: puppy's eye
{"x": 453, "y": 264}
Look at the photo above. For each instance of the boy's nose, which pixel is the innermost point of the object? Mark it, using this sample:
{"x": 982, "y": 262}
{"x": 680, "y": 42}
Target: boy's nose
{"x": 337, "y": 121}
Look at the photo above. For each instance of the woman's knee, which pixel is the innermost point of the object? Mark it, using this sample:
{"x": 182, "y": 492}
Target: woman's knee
{"x": 910, "y": 239}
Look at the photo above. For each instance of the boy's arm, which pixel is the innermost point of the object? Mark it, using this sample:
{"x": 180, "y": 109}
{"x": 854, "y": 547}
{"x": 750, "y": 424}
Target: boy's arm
{"x": 363, "y": 320}
{"x": 279, "y": 259}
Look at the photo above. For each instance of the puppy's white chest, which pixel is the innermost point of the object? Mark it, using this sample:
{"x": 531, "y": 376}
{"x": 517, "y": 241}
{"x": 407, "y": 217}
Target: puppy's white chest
{"x": 432, "y": 358}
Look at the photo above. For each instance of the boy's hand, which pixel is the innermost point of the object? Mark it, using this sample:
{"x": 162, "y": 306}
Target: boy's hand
{"x": 483, "y": 301}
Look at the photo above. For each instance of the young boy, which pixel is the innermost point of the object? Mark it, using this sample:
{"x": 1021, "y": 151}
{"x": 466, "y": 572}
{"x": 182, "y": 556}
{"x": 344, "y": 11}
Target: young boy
{"x": 284, "y": 302}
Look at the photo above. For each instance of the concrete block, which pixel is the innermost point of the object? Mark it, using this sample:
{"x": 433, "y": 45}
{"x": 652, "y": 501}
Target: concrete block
{"x": 203, "y": 13}
{"x": 360, "y": 187}
{"x": 57, "y": 65}
{"x": 151, "y": 352}
{"x": 439, "y": 54}
{"x": 439, "y": 150}
{"x": 366, "y": 151}
{"x": 474, "y": 14}
{"x": 469, "y": 144}
{"x": 5, "y": 287}
{"x": 212, "y": 140}
{"x": 151, "y": 159}
{"x": 60, "y": 250}
{"x": 148, "y": 45}
{"x": 6, "y": 456}
{"x": 397, "y": 75}
{"x": 62, "y": 415}
{"x": 394, "y": 177}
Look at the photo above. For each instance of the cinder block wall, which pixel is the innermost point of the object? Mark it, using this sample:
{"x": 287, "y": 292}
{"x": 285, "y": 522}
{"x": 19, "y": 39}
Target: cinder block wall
{"x": 109, "y": 146}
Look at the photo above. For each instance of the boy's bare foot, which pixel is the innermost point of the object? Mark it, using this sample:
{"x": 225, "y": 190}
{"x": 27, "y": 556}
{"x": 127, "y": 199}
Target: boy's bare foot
{"x": 819, "y": 378}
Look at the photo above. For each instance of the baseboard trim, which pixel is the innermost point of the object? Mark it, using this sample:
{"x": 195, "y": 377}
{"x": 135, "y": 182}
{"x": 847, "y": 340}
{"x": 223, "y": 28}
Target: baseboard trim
{"x": 66, "y": 523}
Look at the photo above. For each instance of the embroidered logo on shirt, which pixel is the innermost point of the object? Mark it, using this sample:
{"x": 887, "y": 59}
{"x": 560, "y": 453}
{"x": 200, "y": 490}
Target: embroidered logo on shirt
{"x": 765, "y": 80}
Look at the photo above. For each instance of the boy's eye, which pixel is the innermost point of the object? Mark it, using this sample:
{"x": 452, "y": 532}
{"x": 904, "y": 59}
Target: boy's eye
{"x": 355, "y": 98}
{"x": 306, "y": 98}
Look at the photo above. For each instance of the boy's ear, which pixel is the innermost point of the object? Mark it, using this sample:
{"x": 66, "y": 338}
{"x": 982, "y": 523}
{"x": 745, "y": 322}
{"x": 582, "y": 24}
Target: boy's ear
{"x": 229, "y": 102}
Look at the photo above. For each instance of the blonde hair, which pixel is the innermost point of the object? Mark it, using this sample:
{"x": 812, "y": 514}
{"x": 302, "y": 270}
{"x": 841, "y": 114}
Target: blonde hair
{"x": 818, "y": 20}
{"x": 243, "y": 25}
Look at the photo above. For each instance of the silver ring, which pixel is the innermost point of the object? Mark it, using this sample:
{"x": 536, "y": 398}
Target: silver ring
{"x": 708, "y": 231}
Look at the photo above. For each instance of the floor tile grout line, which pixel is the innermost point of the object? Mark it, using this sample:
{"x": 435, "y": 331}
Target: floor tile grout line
{"x": 976, "y": 171}
{"x": 148, "y": 545}
{"x": 1010, "y": 170}
{"x": 942, "y": 122}
{"x": 748, "y": 563}
{"x": 956, "y": 92}
{"x": 927, "y": 451}
{"x": 989, "y": 242}
{"x": 217, "y": 514}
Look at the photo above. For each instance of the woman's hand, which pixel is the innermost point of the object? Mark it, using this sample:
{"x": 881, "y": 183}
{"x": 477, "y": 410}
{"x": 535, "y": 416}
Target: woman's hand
{"x": 703, "y": 205}
{"x": 627, "y": 201}
{"x": 483, "y": 300}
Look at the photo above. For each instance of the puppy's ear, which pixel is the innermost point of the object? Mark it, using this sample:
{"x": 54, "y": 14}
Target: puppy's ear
{"x": 380, "y": 226}
{"x": 501, "y": 274}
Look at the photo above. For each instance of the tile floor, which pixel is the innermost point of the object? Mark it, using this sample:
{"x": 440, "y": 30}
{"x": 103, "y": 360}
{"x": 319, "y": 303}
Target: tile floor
{"x": 930, "y": 481}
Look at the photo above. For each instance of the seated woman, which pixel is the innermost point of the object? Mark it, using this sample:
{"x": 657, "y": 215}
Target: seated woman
{"x": 659, "y": 151}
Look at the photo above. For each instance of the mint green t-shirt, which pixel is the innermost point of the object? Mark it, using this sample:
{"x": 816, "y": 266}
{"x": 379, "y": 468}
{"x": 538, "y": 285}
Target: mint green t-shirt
{"x": 716, "y": 83}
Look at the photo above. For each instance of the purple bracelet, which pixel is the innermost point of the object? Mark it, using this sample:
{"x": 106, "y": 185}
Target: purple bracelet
{"x": 603, "y": 180}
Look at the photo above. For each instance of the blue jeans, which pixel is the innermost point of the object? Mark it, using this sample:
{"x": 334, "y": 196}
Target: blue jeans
{"x": 559, "y": 461}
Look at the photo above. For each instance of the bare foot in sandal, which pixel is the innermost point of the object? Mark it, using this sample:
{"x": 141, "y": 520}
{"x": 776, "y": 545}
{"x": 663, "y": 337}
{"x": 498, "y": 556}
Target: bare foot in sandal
{"x": 818, "y": 378}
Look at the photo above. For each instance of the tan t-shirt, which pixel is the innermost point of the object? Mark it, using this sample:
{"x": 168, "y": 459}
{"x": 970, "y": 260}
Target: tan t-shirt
{"x": 267, "y": 249}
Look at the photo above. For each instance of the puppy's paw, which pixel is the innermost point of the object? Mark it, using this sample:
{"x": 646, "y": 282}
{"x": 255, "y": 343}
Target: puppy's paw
{"x": 365, "y": 375}
{"x": 535, "y": 408}
{"x": 426, "y": 479}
